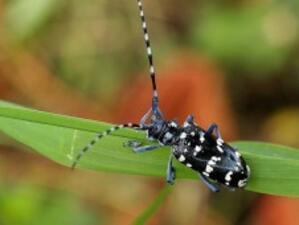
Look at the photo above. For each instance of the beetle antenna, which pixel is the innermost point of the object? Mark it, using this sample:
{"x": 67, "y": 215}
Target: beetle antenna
{"x": 148, "y": 49}
{"x": 97, "y": 137}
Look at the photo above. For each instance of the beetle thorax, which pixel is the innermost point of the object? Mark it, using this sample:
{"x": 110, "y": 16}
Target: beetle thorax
{"x": 165, "y": 132}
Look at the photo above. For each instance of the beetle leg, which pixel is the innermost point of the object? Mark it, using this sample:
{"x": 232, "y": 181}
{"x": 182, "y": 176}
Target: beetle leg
{"x": 189, "y": 119}
{"x": 212, "y": 186}
{"x": 138, "y": 147}
{"x": 170, "y": 172}
{"x": 214, "y": 127}
{"x": 157, "y": 114}
{"x": 144, "y": 119}
{"x": 154, "y": 110}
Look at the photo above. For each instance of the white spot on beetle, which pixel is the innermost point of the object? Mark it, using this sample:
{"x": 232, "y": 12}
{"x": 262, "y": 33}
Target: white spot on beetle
{"x": 218, "y": 158}
{"x": 237, "y": 169}
{"x": 189, "y": 165}
{"x": 219, "y": 149}
{"x": 202, "y": 137}
{"x": 183, "y": 135}
{"x": 238, "y": 154}
{"x": 198, "y": 148}
{"x": 242, "y": 183}
{"x": 211, "y": 162}
{"x": 209, "y": 169}
{"x": 149, "y": 51}
{"x": 206, "y": 174}
{"x": 220, "y": 141}
{"x": 214, "y": 158}
{"x": 152, "y": 69}
{"x": 182, "y": 158}
{"x": 168, "y": 135}
{"x": 146, "y": 37}
{"x": 173, "y": 124}
{"x": 192, "y": 133}
{"x": 228, "y": 176}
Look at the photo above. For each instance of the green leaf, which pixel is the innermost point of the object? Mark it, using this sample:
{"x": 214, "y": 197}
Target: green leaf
{"x": 275, "y": 169}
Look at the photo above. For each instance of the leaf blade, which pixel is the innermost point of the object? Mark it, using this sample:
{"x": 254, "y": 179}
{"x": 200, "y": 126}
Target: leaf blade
{"x": 275, "y": 168}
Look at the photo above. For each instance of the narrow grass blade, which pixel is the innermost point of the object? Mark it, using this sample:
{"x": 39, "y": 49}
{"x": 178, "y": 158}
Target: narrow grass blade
{"x": 154, "y": 206}
{"x": 275, "y": 168}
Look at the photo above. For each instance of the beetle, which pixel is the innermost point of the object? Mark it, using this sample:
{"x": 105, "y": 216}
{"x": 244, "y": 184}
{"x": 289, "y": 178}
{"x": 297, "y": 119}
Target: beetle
{"x": 203, "y": 151}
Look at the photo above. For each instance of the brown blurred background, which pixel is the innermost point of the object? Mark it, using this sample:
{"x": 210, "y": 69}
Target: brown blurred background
{"x": 231, "y": 62}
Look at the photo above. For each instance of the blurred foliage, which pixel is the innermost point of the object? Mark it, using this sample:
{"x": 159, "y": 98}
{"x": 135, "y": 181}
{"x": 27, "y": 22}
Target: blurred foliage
{"x": 82, "y": 41}
{"x": 257, "y": 38}
{"x": 282, "y": 127}
{"x": 34, "y": 16}
{"x": 26, "y": 204}
{"x": 96, "y": 45}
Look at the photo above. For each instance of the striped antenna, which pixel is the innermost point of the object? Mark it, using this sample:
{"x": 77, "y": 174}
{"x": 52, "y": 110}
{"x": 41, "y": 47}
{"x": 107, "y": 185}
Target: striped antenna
{"x": 98, "y": 137}
{"x": 148, "y": 48}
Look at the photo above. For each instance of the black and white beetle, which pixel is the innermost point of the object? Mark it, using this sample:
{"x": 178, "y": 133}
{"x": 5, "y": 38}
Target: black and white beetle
{"x": 201, "y": 150}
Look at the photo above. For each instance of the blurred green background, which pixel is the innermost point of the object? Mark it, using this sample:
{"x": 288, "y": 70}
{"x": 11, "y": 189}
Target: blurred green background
{"x": 87, "y": 59}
